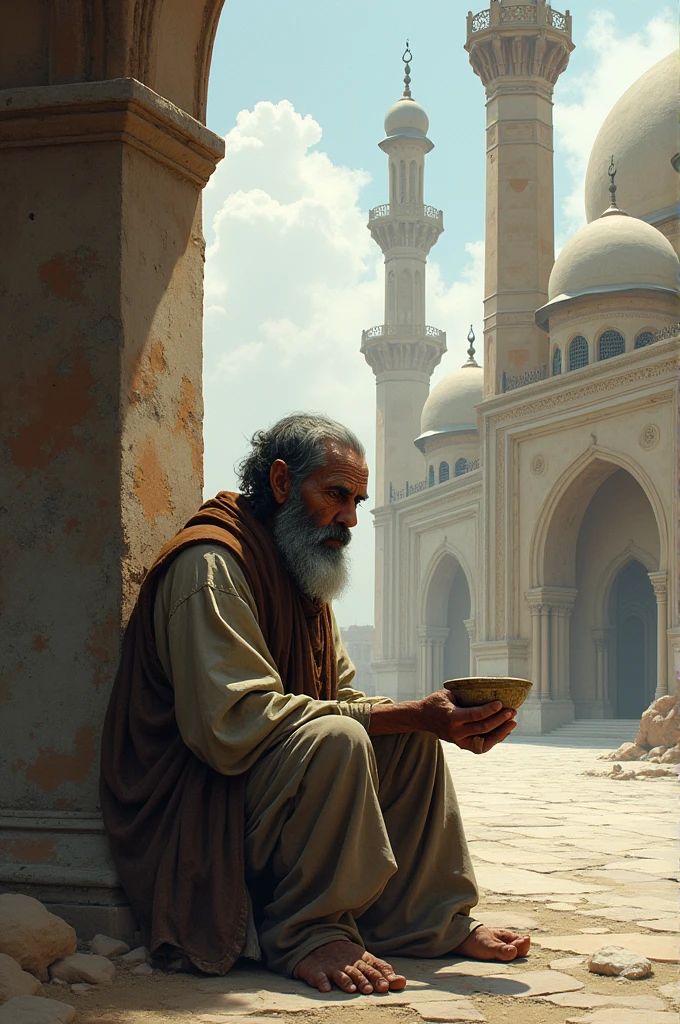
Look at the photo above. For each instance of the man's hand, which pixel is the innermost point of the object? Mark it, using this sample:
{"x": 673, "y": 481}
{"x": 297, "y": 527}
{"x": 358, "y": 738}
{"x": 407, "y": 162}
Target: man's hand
{"x": 476, "y": 729}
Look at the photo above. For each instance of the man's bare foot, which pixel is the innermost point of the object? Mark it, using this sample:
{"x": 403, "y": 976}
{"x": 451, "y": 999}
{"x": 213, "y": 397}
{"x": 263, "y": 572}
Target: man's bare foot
{"x": 350, "y": 967}
{"x": 494, "y": 944}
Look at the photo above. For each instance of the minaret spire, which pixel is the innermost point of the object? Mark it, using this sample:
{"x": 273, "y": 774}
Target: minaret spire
{"x": 471, "y": 361}
{"x": 407, "y": 57}
{"x": 403, "y": 351}
{"x": 613, "y": 208}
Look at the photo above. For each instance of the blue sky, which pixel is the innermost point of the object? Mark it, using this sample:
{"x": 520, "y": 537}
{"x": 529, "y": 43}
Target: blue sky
{"x": 300, "y": 90}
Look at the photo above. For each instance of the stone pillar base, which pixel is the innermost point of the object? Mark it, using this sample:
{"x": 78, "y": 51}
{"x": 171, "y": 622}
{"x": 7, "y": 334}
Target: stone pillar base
{"x": 396, "y": 679}
{"x": 594, "y": 709}
{"x": 537, "y": 717}
{"x": 501, "y": 658}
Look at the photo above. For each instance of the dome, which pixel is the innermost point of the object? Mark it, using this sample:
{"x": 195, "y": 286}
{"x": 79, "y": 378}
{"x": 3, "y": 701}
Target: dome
{"x": 406, "y": 117}
{"x": 613, "y": 253}
{"x": 451, "y": 404}
{"x": 641, "y": 132}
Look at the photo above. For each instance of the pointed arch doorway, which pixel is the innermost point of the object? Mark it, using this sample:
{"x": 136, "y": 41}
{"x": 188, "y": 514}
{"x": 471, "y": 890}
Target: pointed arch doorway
{"x": 444, "y": 635}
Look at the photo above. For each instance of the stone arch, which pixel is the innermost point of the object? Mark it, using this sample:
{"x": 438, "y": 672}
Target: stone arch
{"x": 165, "y": 44}
{"x": 602, "y": 596}
{"x": 553, "y": 542}
{"x": 446, "y": 606}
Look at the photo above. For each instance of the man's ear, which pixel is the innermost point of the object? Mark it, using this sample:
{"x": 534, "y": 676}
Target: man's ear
{"x": 279, "y": 478}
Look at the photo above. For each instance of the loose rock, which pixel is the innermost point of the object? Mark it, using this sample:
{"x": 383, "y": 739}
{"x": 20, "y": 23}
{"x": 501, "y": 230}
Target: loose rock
{"x": 81, "y": 988}
{"x": 14, "y": 981}
{"x": 615, "y": 960}
{"x": 143, "y": 969}
{"x": 88, "y": 967}
{"x": 35, "y": 1010}
{"x": 104, "y": 945}
{"x": 136, "y": 956}
{"x": 31, "y": 935}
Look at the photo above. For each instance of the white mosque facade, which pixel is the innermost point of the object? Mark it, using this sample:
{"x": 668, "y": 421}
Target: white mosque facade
{"x": 527, "y": 511}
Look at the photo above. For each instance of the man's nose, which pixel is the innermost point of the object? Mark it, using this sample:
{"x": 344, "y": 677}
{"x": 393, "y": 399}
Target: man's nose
{"x": 348, "y": 515}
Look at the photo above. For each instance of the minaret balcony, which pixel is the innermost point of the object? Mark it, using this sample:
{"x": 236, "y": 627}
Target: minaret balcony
{"x": 403, "y": 347}
{"x": 402, "y": 331}
{"x": 406, "y": 211}
{"x": 519, "y": 40}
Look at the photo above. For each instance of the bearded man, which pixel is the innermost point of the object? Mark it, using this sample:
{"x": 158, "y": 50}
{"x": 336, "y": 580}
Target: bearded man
{"x": 256, "y": 803}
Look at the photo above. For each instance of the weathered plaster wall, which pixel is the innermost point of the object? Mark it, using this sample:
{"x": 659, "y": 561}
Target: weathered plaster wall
{"x": 100, "y": 436}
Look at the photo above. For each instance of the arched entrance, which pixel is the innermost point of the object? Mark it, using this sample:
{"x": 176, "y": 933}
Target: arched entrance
{"x": 598, "y": 555}
{"x": 443, "y": 635}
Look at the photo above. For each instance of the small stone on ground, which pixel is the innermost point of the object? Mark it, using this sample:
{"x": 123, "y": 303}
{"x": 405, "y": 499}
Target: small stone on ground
{"x": 104, "y": 945}
{"x": 654, "y": 947}
{"x": 143, "y": 969}
{"x": 96, "y": 970}
{"x": 614, "y": 960}
{"x": 566, "y": 963}
{"x": 139, "y": 955}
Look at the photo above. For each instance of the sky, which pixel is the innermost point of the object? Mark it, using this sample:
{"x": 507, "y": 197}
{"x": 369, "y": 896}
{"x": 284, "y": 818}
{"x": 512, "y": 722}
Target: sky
{"x": 299, "y": 91}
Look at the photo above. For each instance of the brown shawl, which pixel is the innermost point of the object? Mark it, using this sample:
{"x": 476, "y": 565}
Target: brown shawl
{"x": 175, "y": 825}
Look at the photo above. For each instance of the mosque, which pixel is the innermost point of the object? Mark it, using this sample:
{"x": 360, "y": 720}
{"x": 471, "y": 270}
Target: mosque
{"x": 527, "y": 509}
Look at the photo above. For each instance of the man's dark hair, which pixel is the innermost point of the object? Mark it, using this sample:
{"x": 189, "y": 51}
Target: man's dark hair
{"x": 301, "y": 442}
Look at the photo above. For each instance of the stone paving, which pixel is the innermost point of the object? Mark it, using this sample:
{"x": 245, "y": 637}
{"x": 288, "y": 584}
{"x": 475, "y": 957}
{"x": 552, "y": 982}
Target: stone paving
{"x": 579, "y": 861}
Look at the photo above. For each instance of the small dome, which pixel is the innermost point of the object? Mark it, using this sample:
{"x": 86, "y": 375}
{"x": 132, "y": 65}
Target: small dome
{"x": 641, "y": 131}
{"x": 612, "y": 253}
{"x": 406, "y": 117}
{"x": 451, "y": 404}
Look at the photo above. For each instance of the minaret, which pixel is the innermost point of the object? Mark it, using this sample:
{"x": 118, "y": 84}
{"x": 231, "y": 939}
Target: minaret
{"x": 519, "y": 52}
{"x": 403, "y": 351}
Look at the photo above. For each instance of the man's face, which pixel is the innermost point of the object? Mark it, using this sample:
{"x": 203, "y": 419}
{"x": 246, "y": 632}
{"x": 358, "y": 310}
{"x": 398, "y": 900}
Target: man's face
{"x": 332, "y": 493}
{"x": 313, "y": 523}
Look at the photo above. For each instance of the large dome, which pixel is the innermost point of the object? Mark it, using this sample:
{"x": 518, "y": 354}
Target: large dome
{"x": 641, "y": 132}
{"x": 451, "y": 404}
{"x": 613, "y": 253}
{"x": 406, "y": 117}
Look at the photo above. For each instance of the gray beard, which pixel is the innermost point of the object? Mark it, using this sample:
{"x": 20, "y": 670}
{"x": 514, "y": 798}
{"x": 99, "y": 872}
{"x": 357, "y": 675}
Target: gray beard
{"x": 320, "y": 572}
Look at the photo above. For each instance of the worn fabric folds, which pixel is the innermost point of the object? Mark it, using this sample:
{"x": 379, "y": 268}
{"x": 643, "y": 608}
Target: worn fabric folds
{"x": 175, "y": 824}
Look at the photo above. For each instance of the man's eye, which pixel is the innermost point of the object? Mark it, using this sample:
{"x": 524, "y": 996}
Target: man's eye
{"x": 335, "y": 494}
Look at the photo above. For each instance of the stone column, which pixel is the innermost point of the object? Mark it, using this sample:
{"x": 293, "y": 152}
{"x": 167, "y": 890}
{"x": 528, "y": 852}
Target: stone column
{"x": 545, "y": 652}
{"x": 432, "y": 640}
{"x": 100, "y": 442}
{"x": 660, "y": 584}
{"x": 602, "y": 636}
{"x": 471, "y": 629}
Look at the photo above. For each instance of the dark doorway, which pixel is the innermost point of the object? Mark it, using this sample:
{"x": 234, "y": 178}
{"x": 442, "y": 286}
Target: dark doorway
{"x": 634, "y": 614}
{"x": 457, "y": 647}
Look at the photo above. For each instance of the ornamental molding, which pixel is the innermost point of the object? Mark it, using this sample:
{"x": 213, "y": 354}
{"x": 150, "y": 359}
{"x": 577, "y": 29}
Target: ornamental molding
{"x": 569, "y": 394}
{"x": 539, "y": 464}
{"x": 659, "y": 581}
{"x": 119, "y": 110}
{"x": 649, "y": 437}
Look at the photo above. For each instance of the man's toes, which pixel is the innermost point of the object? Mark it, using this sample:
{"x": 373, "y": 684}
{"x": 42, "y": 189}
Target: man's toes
{"x": 344, "y": 981}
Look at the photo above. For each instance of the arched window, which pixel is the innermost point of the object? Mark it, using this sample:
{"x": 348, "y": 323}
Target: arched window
{"x": 643, "y": 339}
{"x": 557, "y": 362}
{"x": 611, "y": 343}
{"x": 460, "y": 467}
{"x": 444, "y": 472}
{"x": 578, "y": 352}
{"x": 430, "y": 477}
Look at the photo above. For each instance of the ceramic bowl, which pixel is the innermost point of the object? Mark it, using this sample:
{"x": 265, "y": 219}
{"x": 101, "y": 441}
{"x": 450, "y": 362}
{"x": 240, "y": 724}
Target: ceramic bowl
{"x": 476, "y": 690}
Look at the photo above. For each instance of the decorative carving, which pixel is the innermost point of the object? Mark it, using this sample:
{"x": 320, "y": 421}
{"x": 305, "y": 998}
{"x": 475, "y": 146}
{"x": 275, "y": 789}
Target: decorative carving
{"x": 519, "y": 380}
{"x": 503, "y": 42}
{"x": 649, "y": 437}
{"x": 538, "y": 465}
{"x": 499, "y": 499}
{"x": 383, "y": 355}
{"x": 659, "y": 581}
{"x": 565, "y": 395}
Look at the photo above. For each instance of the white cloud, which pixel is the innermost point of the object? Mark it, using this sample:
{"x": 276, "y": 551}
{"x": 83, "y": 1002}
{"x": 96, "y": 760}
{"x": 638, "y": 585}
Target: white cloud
{"x": 584, "y": 101}
{"x": 292, "y": 278}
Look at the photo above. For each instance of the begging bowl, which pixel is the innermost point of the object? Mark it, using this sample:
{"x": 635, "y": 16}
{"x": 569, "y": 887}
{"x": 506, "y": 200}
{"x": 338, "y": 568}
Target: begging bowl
{"x": 476, "y": 690}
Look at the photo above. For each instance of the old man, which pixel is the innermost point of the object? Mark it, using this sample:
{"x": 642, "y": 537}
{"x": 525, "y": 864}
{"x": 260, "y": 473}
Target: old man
{"x": 256, "y": 803}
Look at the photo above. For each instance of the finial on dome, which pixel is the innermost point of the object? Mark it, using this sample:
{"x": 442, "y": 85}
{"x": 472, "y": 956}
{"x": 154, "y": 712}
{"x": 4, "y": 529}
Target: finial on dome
{"x": 471, "y": 361}
{"x": 407, "y": 57}
{"x": 613, "y": 207}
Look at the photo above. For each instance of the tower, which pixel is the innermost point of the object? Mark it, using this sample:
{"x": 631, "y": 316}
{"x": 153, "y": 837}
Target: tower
{"x": 403, "y": 351}
{"x": 519, "y": 52}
